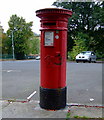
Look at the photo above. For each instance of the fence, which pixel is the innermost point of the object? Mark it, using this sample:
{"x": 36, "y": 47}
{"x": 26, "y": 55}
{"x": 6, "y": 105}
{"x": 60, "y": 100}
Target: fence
{"x": 6, "y": 56}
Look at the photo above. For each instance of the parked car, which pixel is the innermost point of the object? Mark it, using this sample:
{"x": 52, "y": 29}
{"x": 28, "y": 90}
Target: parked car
{"x": 86, "y": 56}
{"x": 30, "y": 57}
{"x": 37, "y": 58}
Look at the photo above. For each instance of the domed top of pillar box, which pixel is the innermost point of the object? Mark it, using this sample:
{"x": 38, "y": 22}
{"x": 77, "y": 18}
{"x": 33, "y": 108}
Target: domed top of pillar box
{"x": 53, "y": 14}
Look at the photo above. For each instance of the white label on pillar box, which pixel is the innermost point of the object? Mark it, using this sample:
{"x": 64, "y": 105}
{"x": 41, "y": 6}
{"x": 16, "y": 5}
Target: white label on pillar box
{"x": 49, "y": 38}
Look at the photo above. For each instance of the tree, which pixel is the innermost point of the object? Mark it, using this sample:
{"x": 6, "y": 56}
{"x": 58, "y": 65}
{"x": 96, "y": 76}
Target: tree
{"x": 21, "y": 32}
{"x": 34, "y": 45}
{"x": 4, "y": 44}
{"x": 85, "y": 16}
{"x": 80, "y": 44}
{"x": 1, "y": 31}
{"x": 88, "y": 18}
{"x": 3, "y": 41}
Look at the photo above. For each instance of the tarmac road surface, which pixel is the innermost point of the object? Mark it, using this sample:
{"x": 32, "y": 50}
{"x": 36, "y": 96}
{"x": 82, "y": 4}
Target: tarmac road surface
{"x": 21, "y": 78}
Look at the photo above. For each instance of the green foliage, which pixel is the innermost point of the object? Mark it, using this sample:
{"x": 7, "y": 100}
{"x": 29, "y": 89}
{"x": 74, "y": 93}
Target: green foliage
{"x": 68, "y": 115}
{"x": 80, "y": 45}
{"x": 87, "y": 19}
{"x": 4, "y": 43}
{"x": 21, "y": 33}
{"x": 85, "y": 14}
{"x": 82, "y": 117}
{"x": 34, "y": 46}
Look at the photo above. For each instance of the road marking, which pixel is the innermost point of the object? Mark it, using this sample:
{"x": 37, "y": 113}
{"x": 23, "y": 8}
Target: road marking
{"x": 30, "y": 96}
{"x": 11, "y": 71}
{"x": 91, "y": 99}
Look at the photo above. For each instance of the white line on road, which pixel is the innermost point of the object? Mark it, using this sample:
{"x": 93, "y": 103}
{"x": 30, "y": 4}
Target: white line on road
{"x": 28, "y": 98}
{"x": 11, "y": 70}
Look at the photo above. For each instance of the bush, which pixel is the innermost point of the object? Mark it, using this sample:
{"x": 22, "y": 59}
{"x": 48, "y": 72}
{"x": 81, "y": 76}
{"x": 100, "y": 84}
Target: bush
{"x": 99, "y": 55}
{"x": 80, "y": 44}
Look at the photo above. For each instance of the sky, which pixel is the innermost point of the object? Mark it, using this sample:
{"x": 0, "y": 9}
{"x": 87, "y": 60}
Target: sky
{"x": 23, "y": 8}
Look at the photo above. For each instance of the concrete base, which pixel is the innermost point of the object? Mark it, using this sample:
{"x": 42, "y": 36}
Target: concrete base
{"x": 32, "y": 109}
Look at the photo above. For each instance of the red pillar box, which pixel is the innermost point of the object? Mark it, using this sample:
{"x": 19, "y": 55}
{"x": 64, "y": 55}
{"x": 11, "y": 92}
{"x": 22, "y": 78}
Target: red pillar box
{"x": 53, "y": 57}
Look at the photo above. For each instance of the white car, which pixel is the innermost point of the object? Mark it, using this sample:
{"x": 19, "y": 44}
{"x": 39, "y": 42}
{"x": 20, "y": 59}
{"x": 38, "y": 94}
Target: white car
{"x": 86, "y": 56}
{"x": 37, "y": 58}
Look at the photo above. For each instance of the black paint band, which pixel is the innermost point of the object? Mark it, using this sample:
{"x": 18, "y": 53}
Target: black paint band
{"x": 52, "y": 99}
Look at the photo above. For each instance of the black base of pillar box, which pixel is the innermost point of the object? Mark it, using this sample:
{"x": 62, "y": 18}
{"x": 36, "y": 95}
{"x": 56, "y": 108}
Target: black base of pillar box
{"x": 52, "y": 99}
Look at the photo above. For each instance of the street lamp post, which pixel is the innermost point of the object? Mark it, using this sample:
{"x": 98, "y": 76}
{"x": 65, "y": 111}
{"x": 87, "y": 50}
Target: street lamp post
{"x": 13, "y": 45}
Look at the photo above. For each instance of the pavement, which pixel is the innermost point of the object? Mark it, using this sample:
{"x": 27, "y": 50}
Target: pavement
{"x": 31, "y": 109}
{"x": 14, "y": 108}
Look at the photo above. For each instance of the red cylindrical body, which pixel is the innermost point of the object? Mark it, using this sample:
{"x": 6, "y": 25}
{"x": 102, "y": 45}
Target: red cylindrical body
{"x": 53, "y": 47}
{"x": 53, "y": 61}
